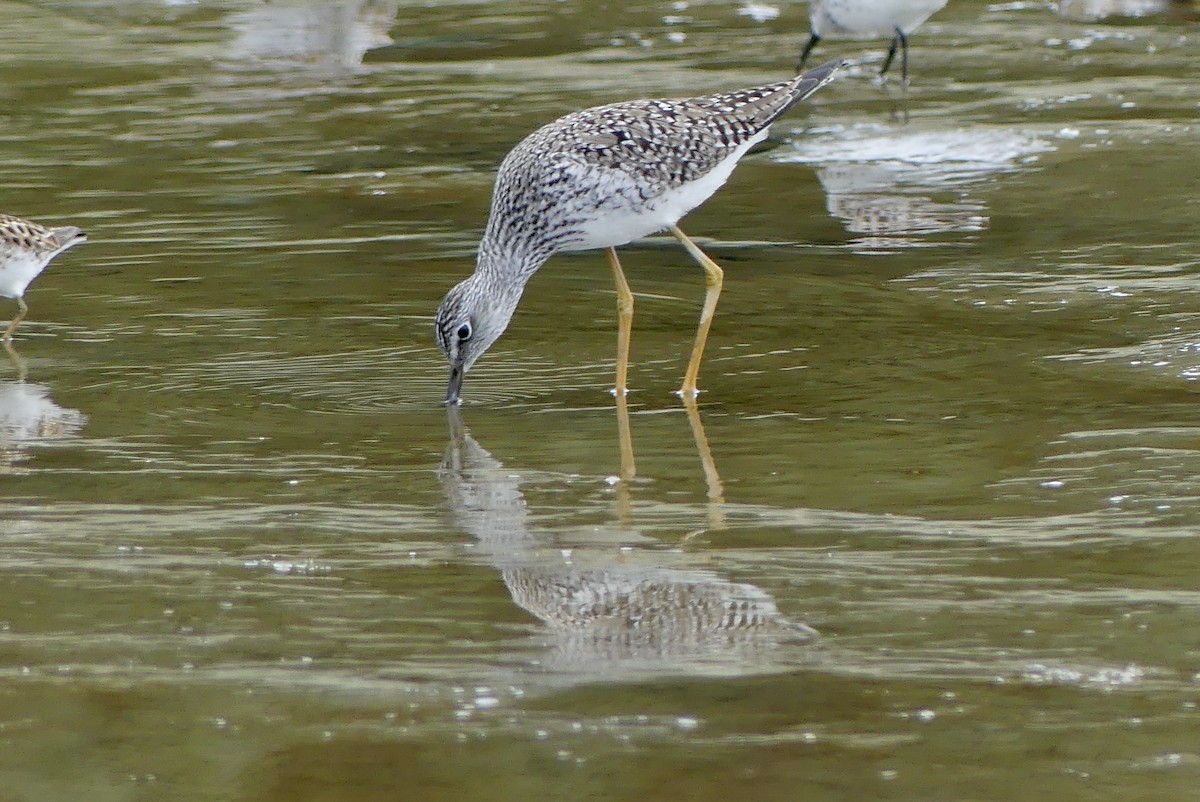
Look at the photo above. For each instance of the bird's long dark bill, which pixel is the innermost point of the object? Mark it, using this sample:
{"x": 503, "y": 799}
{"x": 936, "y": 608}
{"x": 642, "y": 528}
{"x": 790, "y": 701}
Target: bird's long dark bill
{"x": 456, "y": 380}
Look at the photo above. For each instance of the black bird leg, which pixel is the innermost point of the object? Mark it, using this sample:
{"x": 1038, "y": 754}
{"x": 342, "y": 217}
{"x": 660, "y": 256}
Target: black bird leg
{"x": 899, "y": 40}
{"x": 812, "y": 42}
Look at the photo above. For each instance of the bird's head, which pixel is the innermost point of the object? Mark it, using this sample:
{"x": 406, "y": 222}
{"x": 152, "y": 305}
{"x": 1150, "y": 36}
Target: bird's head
{"x": 471, "y": 318}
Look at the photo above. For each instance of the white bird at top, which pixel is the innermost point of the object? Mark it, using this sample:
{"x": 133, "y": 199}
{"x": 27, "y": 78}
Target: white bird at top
{"x": 869, "y": 19}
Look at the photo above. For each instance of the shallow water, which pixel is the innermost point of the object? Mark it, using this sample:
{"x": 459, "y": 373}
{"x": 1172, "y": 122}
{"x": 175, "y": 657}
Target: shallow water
{"x": 950, "y": 420}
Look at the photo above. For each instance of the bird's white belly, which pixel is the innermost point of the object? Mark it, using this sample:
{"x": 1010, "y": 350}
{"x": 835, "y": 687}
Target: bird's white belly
{"x": 869, "y": 18}
{"x": 616, "y": 222}
{"x": 16, "y": 271}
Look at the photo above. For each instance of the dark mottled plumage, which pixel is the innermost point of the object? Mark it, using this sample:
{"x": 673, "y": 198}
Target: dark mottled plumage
{"x": 624, "y": 156}
{"x": 25, "y": 235}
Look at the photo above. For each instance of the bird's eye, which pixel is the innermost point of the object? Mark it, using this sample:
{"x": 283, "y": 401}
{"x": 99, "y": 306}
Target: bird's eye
{"x": 464, "y": 332}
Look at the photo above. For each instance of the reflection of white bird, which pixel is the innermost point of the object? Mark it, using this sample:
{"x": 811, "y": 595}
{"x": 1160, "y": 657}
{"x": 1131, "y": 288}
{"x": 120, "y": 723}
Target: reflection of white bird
{"x": 326, "y": 33}
{"x": 869, "y": 19}
{"x": 1099, "y": 9}
{"x": 25, "y": 250}
{"x": 28, "y": 416}
{"x": 896, "y": 184}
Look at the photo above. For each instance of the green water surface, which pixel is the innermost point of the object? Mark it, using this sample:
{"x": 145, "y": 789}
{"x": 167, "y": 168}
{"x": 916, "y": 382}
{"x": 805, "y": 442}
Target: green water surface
{"x": 950, "y": 420}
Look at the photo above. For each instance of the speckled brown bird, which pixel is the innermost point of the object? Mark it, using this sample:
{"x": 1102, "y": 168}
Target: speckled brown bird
{"x": 25, "y": 250}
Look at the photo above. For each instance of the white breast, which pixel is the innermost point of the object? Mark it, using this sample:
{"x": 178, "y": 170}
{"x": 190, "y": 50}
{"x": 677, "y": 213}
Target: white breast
{"x": 617, "y": 221}
{"x": 18, "y": 267}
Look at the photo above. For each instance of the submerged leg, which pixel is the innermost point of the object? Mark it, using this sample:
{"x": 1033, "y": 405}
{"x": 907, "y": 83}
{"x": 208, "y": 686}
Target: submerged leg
{"x": 625, "y": 436}
{"x": 716, "y": 491}
{"x": 18, "y": 363}
{"x": 812, "y": 42}
{"x": 16, "y": 321}
{"x": 628, "y": 466}
{"x": 713, "y": 278}
{"x": 624, "y": 322}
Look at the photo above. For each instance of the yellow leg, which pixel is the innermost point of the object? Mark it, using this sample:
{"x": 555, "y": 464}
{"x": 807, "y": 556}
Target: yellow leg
{"x": 624, "y": 322}
{"x": 16, "y": 321}
{"x": 713, "y": 278}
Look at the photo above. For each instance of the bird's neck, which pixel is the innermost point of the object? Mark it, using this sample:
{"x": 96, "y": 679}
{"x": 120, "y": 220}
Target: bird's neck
{"x": 507, "y": 266}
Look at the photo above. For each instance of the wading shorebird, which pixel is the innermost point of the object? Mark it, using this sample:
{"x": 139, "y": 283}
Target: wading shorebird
{"x": 869, "y": 19}
{"x": 600, "y": 178}
{"x": 25, "y": 250}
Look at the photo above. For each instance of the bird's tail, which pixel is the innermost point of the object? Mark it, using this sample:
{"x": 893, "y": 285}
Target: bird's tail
{"x": 804, "y": 85}
{"x": 765, "y": 104}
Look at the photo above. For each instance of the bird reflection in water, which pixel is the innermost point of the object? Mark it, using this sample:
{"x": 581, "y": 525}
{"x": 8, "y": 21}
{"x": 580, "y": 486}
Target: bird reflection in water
{"x": 894, "y": 186}
{"x": 28, "y": 417}
{"x": 1087, "y": 10}
{"x": 609, "y": 610}
{"x": 319, "y": 33}
{"x": 876, "y": 202}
